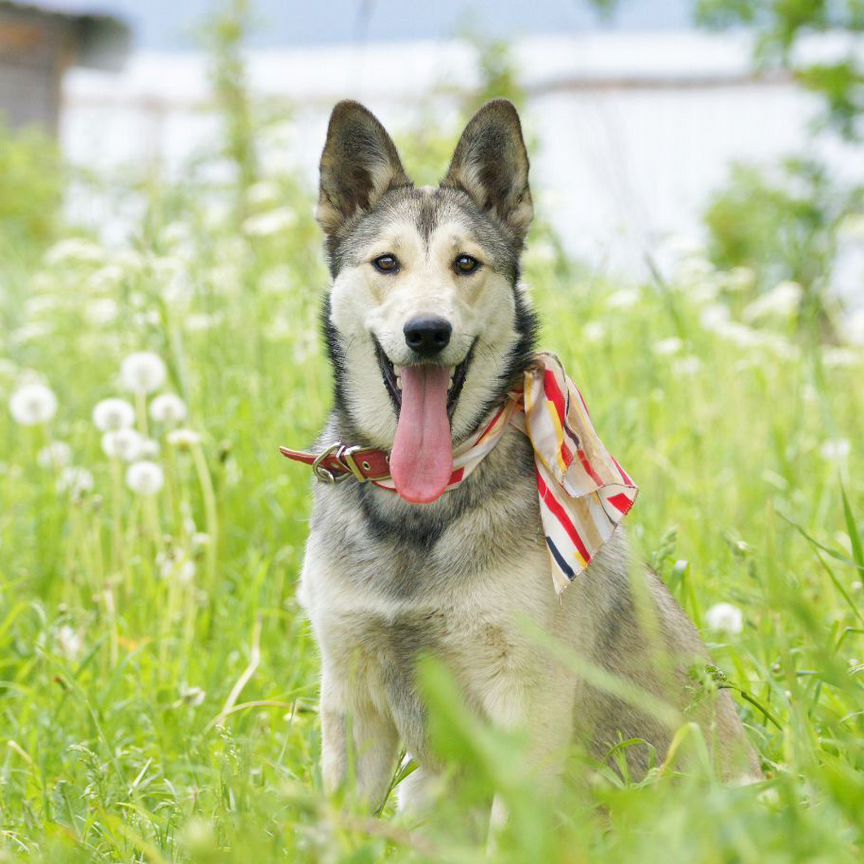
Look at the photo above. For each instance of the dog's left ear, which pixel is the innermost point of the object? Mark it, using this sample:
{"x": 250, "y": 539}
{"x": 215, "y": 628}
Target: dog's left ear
{"x": 491, "y": 165}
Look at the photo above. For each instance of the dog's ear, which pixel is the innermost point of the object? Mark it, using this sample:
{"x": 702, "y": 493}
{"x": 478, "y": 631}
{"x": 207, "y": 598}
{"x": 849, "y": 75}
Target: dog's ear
{"x": 491, "y": 165}
{"x": 359, "y": 164}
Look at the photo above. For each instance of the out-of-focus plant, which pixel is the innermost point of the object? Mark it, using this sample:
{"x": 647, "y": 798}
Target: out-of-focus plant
{"x": 780, "y": 27}
{"x": 783, "y": 225}
{"x": 31, "y": 189}
{"x": 227, "y": 34}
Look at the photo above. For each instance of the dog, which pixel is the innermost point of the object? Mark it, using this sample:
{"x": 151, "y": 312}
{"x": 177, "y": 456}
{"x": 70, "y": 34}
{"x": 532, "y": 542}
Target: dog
{"x": 428, "y": 328}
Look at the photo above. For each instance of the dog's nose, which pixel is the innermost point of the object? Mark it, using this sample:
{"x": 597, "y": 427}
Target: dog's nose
{"x": 427, "y": 336}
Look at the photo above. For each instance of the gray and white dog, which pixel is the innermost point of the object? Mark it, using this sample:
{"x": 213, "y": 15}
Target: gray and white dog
{"x": 426, "y": 290}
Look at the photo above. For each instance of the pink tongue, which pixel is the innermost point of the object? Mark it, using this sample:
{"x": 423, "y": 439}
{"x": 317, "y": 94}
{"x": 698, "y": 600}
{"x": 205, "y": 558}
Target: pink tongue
{"x": 421, "y": 461}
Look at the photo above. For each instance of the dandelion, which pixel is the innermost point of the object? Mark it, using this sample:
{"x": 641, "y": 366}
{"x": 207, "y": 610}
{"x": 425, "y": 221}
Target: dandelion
{"x": 667, "y": 347}
{"x": 200, "y": 540}
{"x": 33, "y": 404}
{"x": 123, "y": 444}
{"x": 145, "y": 478}
{"x": 102, "y": 311}
{"x": 58, "y": 454}
{"x": 168, "y": 408}
{"x": 262, "y": 193}
{"x": 76, "y": 481}
{"x": 783, "y": 301}
{"x": 105, "y": 279}
{"x": 623, "y": 299}
{"x": 183, "y": 439}
{"x": 841, "y": 358}
{"x": 594, "y": 332}
{"x": 725, "y": 618}
{"x": 75, "y": 250}
{"x": 835, "y": 450}
{"x": 687, "y": 366}
{"x": 269, "y": 223}
{"x": 112, "y": 414}
{"x": 143, "y": 372}
{"x": 69, "y": 643}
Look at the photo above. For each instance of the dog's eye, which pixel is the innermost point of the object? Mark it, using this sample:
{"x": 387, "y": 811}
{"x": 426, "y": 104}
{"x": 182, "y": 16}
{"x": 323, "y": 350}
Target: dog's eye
{"x": 466, "y": 264}
{"x": 386, "y": 264}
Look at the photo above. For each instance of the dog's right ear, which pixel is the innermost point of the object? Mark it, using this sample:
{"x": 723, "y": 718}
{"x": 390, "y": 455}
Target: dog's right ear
{"x": 359, "y": 164}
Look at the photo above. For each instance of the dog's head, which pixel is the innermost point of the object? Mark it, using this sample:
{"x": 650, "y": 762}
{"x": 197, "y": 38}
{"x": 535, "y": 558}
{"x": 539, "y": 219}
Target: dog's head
{"x": 426, "y": 323}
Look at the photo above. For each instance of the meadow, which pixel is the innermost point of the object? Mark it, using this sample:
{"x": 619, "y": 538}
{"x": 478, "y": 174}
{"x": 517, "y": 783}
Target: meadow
{"x": 158, "y": 681}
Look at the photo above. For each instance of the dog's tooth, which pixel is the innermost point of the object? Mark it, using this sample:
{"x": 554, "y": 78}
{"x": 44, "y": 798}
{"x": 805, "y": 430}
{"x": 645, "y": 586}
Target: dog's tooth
{"x": 450, "y": 383}
{"x": 398, "y": 382}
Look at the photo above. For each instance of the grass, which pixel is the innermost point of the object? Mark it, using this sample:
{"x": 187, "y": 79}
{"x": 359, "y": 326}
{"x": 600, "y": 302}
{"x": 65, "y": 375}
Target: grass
{"x": 149, "y": 714}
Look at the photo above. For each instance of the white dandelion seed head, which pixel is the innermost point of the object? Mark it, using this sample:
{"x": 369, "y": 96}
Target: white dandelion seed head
{"x": 76, "y": 481}
{"x": 667, "y": 347}
{"x": 145, "y": 478}
{"x": 33, "y": 404}
{"x": 200, "y": 540}
{"x": 782, "y": 301}
{"x": 143, "y": 372}
{"x": 75, "y": 250}
{"x": 594, "y": 332}
{"x": 623, "y": 299}
{"x": 112, "y": 414}
{"x": 183, "y": 439}
{"x": 687, "y": 366}
{"x": 725, "y": 618}
{"x": 841, "y": 358}
{"x": 69, "y": 643}
{"x": 836, "y": 450}
{"x": 101, "y": 311}
{"x": 123, "y": 444}
{"x": 57, "y": 454}
{"x": 168, "y": 408}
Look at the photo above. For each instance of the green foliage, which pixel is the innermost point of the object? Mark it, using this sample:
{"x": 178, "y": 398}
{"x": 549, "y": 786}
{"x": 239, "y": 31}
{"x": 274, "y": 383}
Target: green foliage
{"x": 784, "y": 225}
{"x": 781, "y": 25}
{"x": 31, "y": 190}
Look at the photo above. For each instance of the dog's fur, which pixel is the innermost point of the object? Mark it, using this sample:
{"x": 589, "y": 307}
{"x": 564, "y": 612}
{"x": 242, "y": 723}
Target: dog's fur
{"x": 384, "y": 581}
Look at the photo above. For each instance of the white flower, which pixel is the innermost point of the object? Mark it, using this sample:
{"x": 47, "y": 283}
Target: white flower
{"x": 725, "y": 618}
{"x": 58, "y": 454}
{"x": 33, "y": 404}
{"x": 276, "y": 281}
{"x": 145, "y": 478}
{"x": 111, "y": 414}
{"x": 183, "y": 438}
{"x": 687, "y": 366}
{"x": 594, "y": 332}
{"x": 200, "y": 539}
{"x": 75, "y": 481}
{"x": 74, "y": 250}
{"x": 623, "y": 299}
{"x": 841, "y": 358}
{"x": 263, "y": 193}
{"x": 739, "y": 279}
{"x": 836, "y": 450}
{"x": 105, "y": 279}
{"x": 69, "y": 643}
{"x": 198, "y": 322}
{"x": 780, "y": 302}
{"x": 143, "y": 372}
{"x": 666, "y": 347}
{"x": 101, "y": 311}
{"x": 271, "y": 222}
{"x": 168, "y": 408}
{"x": 125, "y": 444}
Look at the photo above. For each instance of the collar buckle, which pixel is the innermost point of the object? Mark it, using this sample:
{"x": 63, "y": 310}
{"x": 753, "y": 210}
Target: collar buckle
{"x": 344, "y": 457}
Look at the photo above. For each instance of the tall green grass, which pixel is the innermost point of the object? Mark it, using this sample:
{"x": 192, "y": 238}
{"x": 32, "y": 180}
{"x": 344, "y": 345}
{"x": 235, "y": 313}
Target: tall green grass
{"x": 152, "y": 713}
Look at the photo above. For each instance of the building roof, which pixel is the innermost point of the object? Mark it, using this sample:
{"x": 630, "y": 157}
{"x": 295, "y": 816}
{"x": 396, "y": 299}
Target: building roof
{"x": 103, "y": 39}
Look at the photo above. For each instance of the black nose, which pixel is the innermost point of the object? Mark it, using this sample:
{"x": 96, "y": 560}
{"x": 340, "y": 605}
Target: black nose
{"x": 427, "y": 336}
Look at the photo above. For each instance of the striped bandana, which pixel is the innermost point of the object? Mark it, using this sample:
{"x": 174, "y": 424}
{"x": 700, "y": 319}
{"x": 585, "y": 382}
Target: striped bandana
{"x": 584, "y": 493}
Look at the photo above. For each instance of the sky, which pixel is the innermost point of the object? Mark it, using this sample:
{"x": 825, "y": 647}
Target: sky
{"x": 172, "y": 25}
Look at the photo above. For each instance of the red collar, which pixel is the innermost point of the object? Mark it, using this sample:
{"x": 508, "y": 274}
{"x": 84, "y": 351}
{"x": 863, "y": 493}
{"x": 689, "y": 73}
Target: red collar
{"x": 338, "y": 462}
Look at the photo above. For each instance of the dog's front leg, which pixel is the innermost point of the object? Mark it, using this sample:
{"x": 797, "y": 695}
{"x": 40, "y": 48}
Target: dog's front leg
{"x": 543, "y": 709}
{"x": 358, "y": 743}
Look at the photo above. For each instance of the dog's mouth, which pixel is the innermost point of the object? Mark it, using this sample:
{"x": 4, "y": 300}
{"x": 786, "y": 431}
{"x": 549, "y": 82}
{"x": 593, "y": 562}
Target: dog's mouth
{"x": 425, "y": 396}
{"x": 392, "y": 376}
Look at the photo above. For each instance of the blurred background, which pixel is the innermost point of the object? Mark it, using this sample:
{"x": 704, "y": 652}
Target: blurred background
{"x": 650, "y": 119}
